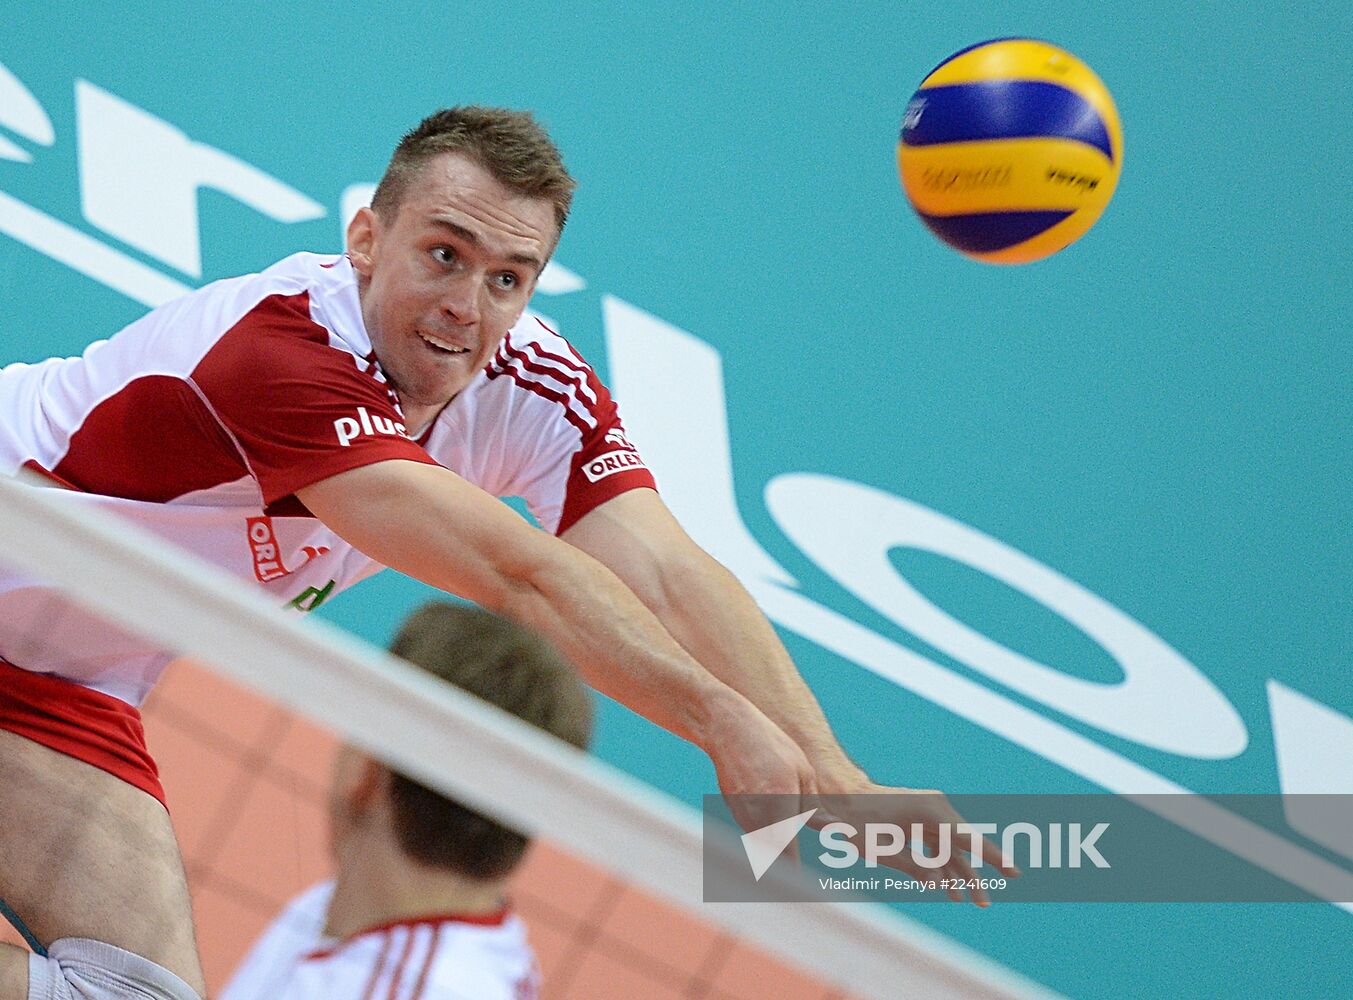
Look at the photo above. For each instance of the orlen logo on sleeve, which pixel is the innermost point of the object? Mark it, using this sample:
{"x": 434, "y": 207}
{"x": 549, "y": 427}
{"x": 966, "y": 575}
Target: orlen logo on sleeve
{"x": 349, "y": 428}
{"x": 612, "y": 462}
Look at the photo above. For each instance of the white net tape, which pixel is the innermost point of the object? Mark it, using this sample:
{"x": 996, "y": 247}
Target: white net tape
{"x": 503, "y": 766}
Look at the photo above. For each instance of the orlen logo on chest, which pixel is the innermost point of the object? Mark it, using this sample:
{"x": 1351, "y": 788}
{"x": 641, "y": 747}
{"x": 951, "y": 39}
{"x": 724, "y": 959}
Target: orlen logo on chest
{"x": 267, "y": 555}
{"x": 349, "y": 428}
{"x": 263, "y": 543}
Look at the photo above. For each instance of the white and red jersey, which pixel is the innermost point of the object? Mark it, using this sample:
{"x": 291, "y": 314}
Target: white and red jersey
{"x": 430, "y": 958}
{"x": 201, "y": 420}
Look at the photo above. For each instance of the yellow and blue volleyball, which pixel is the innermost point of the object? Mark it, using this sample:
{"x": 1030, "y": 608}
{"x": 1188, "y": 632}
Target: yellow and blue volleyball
{"x": 1010, "y": 150}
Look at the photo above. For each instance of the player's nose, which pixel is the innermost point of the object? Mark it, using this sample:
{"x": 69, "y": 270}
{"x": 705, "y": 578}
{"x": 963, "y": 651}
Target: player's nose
{"x": 460, "y": 300}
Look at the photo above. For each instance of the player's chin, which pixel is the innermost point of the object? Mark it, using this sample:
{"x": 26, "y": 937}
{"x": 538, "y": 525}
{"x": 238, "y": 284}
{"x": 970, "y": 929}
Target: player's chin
{"x": 452, "y": 384}
{"x": 447, "y": 369}
{"x": 432, "y": 388}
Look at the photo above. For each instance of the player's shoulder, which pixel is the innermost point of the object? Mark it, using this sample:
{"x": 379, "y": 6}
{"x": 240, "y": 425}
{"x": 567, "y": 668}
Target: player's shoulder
{"x": 538, "y": 360}
{"x": 306, "y": 297}
{"x": 432, "y": 958}
{"x": 537, "y": 375}
{"x": 483, "y": 963}
{"x": 302, "y": 919}
{"x": 534, "y": 335}
{"x": 313, "y": 282}
{"x": 313, "y": 903}
{"x": 292, "y": 275}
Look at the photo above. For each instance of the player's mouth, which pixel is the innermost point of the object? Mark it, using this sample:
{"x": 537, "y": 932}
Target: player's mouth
{"x": 443, "y": 347}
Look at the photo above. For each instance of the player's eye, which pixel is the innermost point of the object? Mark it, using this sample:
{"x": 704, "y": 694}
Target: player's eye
{"x": 508, "y": 280}
{"x": 443, "y": 255}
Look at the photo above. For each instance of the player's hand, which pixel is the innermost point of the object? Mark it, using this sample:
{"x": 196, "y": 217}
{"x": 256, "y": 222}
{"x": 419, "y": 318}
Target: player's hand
{"x": 754, "y": 757}
{"x": 861, "y": 801}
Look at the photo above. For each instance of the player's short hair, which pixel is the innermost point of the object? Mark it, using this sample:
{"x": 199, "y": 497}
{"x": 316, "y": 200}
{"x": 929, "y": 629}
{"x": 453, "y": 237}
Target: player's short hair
{"x": 507, "y": 666}
{"x": 510, "y": 145}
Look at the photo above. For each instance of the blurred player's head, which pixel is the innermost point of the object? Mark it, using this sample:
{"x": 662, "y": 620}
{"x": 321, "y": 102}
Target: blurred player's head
{"x": 499, "y": 662}
{"x": 448, "y": 254}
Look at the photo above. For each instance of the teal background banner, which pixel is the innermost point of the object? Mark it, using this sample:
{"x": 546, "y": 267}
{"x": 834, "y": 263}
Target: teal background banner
{"x": 1076, "y": 526}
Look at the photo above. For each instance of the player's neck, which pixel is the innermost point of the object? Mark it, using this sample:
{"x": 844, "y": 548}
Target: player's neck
{"x": 379, "y": 886}
{"x": 417, "y": 418}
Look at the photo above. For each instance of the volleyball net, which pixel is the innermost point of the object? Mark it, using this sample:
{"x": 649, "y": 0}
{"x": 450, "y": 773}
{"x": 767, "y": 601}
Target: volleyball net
{"x": 245, "y": 724}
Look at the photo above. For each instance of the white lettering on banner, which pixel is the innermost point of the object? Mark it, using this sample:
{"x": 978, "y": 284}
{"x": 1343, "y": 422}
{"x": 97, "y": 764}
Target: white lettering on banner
{"x": 886, "y": 840}
{"x": 1081, "y": 846}
{"x": 1163, "y": 701}
{"x": 672, "y": 384}
{"x": 139, "y": 178}
{"x": 354, "y": 198}
{"x": 1313, "y": 745}
{"x": 1033, "y": 843}
{"x": 611, "y": 463}
{"x": 20, "y": 112}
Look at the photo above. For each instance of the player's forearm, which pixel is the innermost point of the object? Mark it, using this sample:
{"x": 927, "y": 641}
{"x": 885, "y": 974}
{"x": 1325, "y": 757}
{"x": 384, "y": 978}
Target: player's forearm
{"x": 616, "y": 643}
{"x": 619, "y": 646}
{"x": 432, "y": 525}
{"x": 714, "y": 618}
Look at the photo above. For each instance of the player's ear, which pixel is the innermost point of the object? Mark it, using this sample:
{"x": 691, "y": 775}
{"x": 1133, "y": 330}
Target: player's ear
{"x": 357, "y": 782}
{"x": 371, "y": 781}
{"x": 362, "y": 240}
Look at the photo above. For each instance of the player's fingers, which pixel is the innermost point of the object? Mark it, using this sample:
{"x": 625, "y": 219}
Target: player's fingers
{"x": 959, "y": 869}
{"x": 991, "y": 854}
{"x": 952, "y": 883}
{"x": 903, "y": 863}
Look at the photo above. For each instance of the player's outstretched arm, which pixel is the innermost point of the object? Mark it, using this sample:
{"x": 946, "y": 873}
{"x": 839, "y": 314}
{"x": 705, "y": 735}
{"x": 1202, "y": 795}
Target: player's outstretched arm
{"x": 429, "y": 523}
{"x": 713, "y": 617}
{"x": 13, "y": 971}
{"x": 711, "y": 614}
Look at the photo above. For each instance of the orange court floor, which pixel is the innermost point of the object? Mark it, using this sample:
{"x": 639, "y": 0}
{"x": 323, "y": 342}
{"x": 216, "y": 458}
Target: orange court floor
{"x": 246, "y": 783}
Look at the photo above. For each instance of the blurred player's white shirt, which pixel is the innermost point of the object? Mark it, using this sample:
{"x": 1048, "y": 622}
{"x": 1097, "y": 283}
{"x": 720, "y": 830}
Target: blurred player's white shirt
{"x": 437, "y": 958}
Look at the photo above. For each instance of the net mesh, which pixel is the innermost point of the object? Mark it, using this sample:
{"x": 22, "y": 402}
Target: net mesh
{"x": 246, "y": 778}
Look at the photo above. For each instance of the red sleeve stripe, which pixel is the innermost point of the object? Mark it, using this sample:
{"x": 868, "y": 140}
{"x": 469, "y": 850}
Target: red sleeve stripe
{"x": 541, "y": 390}
{"x": 574, "y": 375}
{"x": 592, "y": 379}
{"x": 574, "y": 382}
{"x": 575, "y": 361}
{"x": 577, "y": 357}
{"x": 571, "y": 367}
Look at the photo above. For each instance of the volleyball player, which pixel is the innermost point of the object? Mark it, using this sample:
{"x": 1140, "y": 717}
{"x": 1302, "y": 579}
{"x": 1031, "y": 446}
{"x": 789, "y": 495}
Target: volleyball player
{"x": 306, "y": 426}
{"x": 418, "y": 909}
